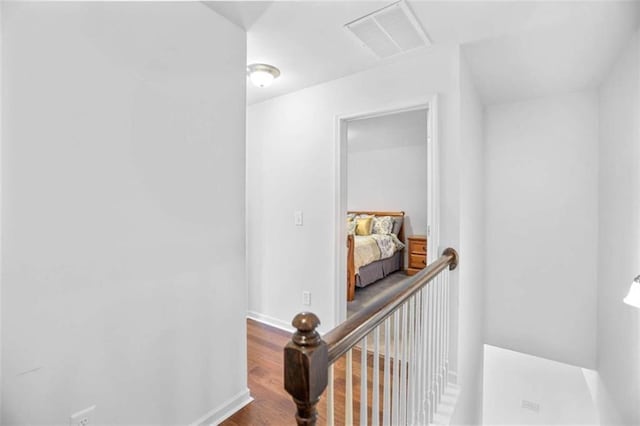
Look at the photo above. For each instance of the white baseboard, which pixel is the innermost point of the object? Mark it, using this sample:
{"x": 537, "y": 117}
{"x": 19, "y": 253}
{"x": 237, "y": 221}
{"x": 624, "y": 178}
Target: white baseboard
{"x": 271, "y": 321}
{"x": 225, "y": 410}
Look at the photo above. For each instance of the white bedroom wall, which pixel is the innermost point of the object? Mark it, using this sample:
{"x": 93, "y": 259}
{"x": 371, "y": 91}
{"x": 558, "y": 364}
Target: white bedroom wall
{"x": 386, "y": 166}
{"x": 619, "y": 235}
{"x": 123, "y": 212}
{"x": 541, "y": 226}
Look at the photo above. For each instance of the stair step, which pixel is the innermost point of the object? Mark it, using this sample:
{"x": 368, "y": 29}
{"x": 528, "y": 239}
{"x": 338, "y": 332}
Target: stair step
{"x": 447, "y": 405}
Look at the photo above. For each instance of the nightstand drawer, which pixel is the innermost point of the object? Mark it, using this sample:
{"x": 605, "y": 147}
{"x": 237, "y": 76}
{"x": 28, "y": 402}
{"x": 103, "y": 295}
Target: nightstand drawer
{"x": 417, "y": 260}
{"x": 413, "y": 271}
{"x": 417, "y": 246}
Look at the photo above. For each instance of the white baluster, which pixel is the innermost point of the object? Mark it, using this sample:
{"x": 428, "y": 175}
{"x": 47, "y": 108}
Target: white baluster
{"x": 395, "y": 399}
{"x": 448, "y": 325}
{"x": 432, "y": 351}
{"x": 438, "y": 327}
{"x": 403, "y": 367}
{"x": 441, "y": 343}
{"x": 443, "y": 309}
{"x": 375, "y": 409}
{"x": 417, "y": 407}
{"x": 386, "y": 398}
{"x": 348, "y": 397}
{"x": 410, "y": 361}
{"x": 363, "y": 382}
{"x": 443, "y": 367}
{"x": 423, "y": 359}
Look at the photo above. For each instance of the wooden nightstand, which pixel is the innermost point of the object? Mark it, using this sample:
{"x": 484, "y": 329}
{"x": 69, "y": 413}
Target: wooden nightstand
{"x": 417, "y": 253}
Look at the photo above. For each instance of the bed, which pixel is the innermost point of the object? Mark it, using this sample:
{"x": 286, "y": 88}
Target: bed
{"x": 373, "y": 257}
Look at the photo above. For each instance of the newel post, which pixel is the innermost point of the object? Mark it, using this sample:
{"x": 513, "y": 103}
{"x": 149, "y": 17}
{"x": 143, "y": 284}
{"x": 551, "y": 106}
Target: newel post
{"x": 306, "y": 365}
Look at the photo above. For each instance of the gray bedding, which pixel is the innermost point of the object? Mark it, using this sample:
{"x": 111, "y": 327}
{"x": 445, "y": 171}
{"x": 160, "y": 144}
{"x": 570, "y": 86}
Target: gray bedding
{"x": 379, "y": 269}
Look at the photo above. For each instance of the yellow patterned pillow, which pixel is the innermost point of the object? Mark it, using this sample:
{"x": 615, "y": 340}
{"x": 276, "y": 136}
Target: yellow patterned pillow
{"x": 364, "y": 225}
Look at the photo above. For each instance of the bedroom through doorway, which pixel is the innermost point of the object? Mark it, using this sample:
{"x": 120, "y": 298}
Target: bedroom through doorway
{"x": 387, "y": 200}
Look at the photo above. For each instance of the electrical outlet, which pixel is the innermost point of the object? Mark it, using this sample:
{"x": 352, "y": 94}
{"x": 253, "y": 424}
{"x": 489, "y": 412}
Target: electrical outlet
{"x": 306, "y": 298}
{"x": 82, "y": 418}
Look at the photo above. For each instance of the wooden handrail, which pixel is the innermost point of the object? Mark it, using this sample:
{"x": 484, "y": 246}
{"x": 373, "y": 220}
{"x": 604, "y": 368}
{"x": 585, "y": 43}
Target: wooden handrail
{"x": 307, "y": 356}
{"x": 346, "y": 335}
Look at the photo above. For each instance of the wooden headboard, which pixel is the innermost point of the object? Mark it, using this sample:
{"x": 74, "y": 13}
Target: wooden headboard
{"x": 392, "y": 214}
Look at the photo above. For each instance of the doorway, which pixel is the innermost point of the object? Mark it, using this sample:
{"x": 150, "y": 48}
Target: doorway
{"x": 368, "y": 148}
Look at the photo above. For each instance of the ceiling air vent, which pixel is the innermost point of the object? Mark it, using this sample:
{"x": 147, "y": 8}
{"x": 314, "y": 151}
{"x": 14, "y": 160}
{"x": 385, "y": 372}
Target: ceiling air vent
{"x": 389, "y": 31}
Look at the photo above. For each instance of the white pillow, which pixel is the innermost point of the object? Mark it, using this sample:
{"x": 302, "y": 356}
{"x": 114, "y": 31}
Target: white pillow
{"x": 351, "y": 226}
{"x": 382, "y": 225}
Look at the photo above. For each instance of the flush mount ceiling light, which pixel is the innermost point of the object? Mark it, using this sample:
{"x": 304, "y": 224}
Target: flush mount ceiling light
{"x": 262, "y": 75}
{"x": 633, "y": 298}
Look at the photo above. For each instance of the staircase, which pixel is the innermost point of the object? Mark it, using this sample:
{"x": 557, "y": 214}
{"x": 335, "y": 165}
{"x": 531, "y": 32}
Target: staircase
{"x": 388, "y": 364}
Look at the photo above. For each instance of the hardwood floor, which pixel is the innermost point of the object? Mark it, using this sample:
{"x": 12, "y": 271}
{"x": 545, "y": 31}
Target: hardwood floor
{"x": 272, "y": 405}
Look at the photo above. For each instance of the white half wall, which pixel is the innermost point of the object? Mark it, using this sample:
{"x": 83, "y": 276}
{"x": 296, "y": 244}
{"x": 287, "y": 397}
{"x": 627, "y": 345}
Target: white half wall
{"x": 123, "y": 224}
{"x": 552, "y": 393}
{"x": 387, "y": 166}
{"x": 541, "y": 227}
{"x": 619, "y": 235}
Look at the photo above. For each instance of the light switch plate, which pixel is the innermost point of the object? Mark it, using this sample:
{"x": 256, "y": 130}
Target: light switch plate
{"x": 297, "y": 217}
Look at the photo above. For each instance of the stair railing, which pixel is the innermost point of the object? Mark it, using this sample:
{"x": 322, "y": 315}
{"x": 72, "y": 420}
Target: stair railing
{"x": 402, "y": 377}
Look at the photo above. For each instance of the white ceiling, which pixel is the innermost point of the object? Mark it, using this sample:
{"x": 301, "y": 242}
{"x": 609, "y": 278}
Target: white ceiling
{"x": 241, "y": 13}
{"x": 563, "y": 57}
{"x": 515, "y": 49}
{"x": 307, "y": 42}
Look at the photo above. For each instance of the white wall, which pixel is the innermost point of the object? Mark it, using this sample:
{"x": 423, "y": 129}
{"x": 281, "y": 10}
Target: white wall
{"x": 472, "y": 287}
{"x": 1, "y": 145}
{"x": 291, "y": 162}
{"x": 619, "y": 233}
{"x": 386, "y": 166}
{"x": 123, "y": 212}
{"x": 541, "y": 227}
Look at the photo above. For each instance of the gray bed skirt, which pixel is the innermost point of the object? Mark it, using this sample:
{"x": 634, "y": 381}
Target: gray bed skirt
{"x": 379, "y": 269}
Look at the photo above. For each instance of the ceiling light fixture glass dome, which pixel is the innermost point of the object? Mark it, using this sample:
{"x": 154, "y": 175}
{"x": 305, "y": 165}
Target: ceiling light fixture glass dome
{"x": 262, "y": 75}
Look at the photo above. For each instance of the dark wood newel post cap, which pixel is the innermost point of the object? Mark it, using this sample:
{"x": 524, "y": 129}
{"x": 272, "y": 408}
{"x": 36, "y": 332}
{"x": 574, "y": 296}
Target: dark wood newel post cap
{"x": 456, "y": 257}
{"x": 306, "y": 365}
{"x": 306, "y": 323}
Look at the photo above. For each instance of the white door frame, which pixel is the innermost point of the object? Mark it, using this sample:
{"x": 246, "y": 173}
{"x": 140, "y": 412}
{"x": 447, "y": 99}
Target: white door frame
{"x": 430, "y": 104}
